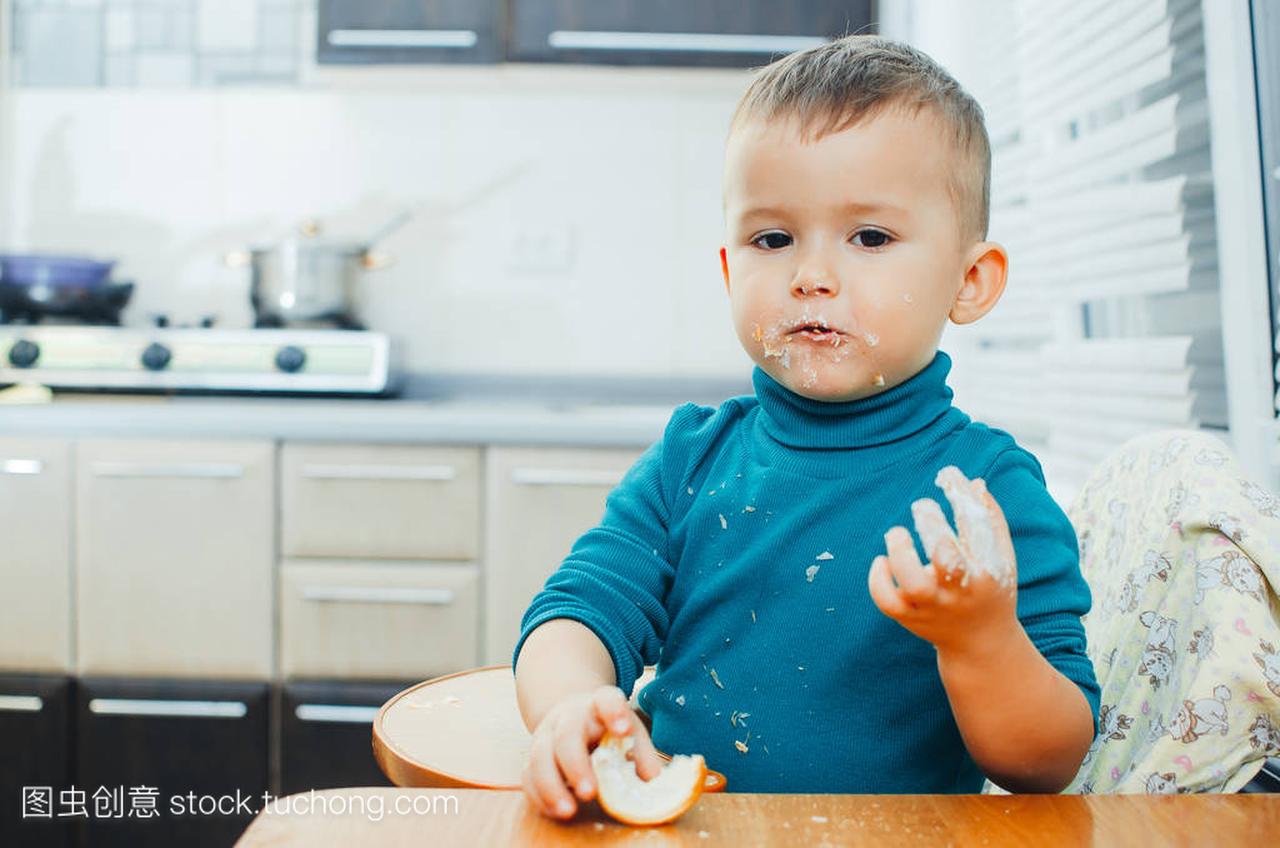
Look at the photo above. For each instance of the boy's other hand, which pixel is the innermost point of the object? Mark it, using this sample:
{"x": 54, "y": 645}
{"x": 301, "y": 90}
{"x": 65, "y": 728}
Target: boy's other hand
{"x": 559, "y": 758}
{"x": 968, "y": 592}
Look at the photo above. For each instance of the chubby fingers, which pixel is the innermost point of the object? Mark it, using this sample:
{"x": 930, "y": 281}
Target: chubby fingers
{"x": 973, "y": 517}
{"x": 614, "y": 712}
{"x": 916, "y": 584}
{"x": 883, "y": 592}
{"x": 999, "y": 526}
{"x": 544, "y": 781}
{"x": 940, "y": 544}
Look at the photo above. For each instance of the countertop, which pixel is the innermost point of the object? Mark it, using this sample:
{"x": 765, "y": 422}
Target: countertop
{"x": 413, "y": 817}
{"x": 428, "y": 408}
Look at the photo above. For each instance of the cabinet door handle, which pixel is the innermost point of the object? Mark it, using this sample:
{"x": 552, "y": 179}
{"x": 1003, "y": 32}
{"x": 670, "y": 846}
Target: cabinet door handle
{"x": 685, "y": 42}
{"x": 175, "y": 709}
{"x": 447, "y": 38}
{"x": 379, "y": 472}
{"x": 565, "y": 477}
{"x": 21, "y": 703}
{"x": 336, "y": 712}
{"x": 21, "y": 466}
{"x": 184, "y": 470}
{"x": 376, "y": 595}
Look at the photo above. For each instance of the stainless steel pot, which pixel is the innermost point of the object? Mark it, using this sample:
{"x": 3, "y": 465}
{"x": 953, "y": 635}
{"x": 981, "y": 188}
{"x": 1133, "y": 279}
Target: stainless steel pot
{"x": 307, "y": 278}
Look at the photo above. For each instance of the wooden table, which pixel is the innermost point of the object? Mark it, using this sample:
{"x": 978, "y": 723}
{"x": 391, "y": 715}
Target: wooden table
{"x": 342, "y": 817}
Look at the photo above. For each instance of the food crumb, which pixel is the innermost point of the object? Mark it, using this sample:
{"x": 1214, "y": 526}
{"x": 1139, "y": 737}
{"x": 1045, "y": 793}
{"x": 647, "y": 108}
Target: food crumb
{"x": 818, "y": 819}
{"x": 748, "y": 508}
{"x": 453, "y": 699}
{"x": 724, "y": 524}
{"x": 702, "y": 834}
{"x": 680, "y": 700}
{"x": 753, "y": 616}
{"x": 716, "y": 678}
{"x": 740, "y": 745}
{"x": 810, "y": 571}
{"x": 831, "y": 609}
{"x": 690, "y": 490}
{"x": 825, "y": 555}
{"x": 800, "y": 667}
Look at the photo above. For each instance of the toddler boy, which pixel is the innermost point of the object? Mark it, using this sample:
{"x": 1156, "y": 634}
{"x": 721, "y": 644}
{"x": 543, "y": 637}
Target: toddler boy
{"x": 758, "y": 554}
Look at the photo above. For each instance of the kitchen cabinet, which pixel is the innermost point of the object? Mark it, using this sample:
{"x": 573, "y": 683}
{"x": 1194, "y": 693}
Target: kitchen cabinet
{"x": 538, "y": 502}
{"x": 326, "y": 730}
{"x": 706, "y": 33}
{"x": 35, "y": 743}
{"x": 394, "y": 31}
{"x": 380, "y": 501}
{"x": 35, "y": 568}
{"x": 174, "y": 556}
{"x": 377, "y": 620}
{"x": 169, "y": 739}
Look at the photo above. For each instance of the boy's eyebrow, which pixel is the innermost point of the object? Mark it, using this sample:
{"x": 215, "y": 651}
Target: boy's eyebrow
{"x": 852, "y": 206}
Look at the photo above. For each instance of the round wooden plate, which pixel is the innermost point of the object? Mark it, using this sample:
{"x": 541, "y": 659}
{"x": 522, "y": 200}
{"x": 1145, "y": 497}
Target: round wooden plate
{"x": 461, "y": 730}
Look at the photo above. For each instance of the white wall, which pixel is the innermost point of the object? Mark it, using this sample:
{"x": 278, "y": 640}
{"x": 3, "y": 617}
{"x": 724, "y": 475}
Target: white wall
{"x": 573, "y": 214}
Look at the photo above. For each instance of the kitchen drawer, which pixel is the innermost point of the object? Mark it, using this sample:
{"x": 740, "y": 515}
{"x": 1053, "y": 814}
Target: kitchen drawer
{"x": 377, "y": 620}
{"x": 178, "y": 738}
{"x": 174, "y": 556}
{"x": 36, "y": 732}
{"x": 35, "y": 567}
{"x": 380, "y": 501}
{"x": 325, "y": 731}
{"x": 538, "y": 502}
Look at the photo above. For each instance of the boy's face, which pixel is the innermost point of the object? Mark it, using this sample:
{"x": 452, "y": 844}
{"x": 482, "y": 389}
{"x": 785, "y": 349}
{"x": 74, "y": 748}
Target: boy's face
{"x": 855, "y": 233}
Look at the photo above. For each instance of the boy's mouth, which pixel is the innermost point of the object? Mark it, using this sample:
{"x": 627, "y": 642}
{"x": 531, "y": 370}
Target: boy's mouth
{"x": 816, "y": 331}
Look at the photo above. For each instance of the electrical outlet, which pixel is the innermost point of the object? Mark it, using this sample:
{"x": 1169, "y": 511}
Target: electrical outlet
{"x": 541, "y": 249}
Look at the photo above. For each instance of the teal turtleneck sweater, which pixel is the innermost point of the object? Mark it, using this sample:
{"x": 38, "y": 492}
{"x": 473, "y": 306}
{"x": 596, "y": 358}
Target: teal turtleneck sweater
{"x": 734, "y": 555}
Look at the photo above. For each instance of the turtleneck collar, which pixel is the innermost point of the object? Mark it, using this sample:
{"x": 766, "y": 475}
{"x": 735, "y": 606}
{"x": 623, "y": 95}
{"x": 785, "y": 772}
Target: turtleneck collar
{"x": 800, "y": 422}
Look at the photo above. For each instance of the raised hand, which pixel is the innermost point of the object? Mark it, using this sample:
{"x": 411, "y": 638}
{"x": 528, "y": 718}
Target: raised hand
{"x": 968, "y": 590}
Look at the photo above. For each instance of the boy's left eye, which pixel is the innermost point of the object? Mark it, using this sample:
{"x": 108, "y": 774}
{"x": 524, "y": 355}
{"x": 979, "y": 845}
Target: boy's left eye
{"x": 873, "y": 238}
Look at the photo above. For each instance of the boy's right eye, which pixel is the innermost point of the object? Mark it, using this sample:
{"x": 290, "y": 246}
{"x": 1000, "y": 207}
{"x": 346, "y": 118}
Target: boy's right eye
{"x": 773, "y": 240}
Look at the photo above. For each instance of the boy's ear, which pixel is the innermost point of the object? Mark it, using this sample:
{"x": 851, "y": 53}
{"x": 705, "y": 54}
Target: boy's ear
{"x": 988, "y": 267}
{"x": 724, "y": 267}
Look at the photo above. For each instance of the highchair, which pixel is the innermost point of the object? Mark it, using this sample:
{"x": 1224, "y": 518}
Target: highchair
{"x": 1182, "y": 553}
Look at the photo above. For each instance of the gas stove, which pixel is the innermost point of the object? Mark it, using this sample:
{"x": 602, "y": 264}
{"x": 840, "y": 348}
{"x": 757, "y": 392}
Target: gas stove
{"x": 199, "y": 360}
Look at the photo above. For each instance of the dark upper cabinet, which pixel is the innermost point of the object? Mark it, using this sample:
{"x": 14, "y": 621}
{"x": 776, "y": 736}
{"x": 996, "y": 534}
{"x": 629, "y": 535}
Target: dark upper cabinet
{"x": 410, "y": 31}
{"x": 704, "y": 33}
{"x": 691, "y": 33}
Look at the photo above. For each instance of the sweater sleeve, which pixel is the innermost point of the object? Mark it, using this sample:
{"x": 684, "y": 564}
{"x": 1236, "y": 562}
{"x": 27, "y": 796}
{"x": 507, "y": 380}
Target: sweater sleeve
{"x": 616, "y": 577}
{"x": 1052, "y": 593}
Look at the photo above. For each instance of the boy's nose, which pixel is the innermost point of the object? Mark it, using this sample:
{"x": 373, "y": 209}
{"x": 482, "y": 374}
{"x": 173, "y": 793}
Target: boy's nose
{"x": 806, "y": 286}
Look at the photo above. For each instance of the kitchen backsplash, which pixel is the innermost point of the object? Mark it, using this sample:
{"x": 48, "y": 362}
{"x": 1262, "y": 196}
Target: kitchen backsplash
{"x": 569, "y": 217}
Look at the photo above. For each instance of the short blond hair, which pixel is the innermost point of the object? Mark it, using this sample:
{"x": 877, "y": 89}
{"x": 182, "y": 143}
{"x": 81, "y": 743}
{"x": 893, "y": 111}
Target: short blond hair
{"x": 836, "y": 85}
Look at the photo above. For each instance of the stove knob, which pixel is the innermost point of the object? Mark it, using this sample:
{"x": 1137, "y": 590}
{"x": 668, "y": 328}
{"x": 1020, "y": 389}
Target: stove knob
{"x": 291, "y": 358}
{"x": 24, "y": 354}
{"x": 156, "y": 357}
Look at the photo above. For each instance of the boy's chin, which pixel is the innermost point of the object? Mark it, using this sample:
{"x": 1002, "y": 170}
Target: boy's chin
{"x": 827, "y": 386}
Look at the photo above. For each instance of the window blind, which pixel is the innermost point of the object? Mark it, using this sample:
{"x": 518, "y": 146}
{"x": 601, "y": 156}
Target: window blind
{"x": 1102, "y": 192}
